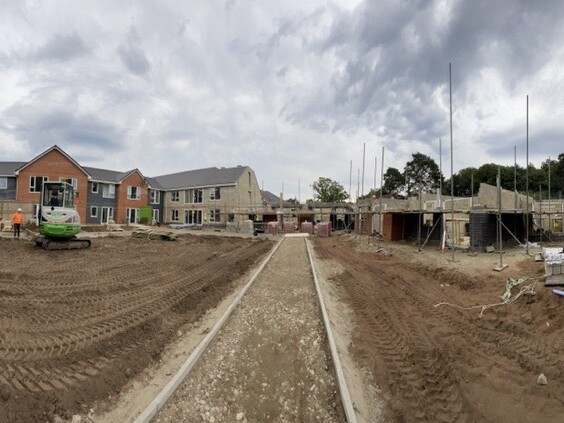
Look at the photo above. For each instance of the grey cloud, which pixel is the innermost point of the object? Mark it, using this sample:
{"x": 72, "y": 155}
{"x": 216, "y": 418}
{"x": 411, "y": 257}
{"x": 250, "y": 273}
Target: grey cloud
{"x": 61, "y": 47}
{"x": 398, "y": 47}
{"x": 132, "y": 54}
{"x": 42, "y": 128}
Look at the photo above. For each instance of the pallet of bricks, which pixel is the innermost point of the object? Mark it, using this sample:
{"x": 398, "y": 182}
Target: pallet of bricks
{"x": 553, "y": 266}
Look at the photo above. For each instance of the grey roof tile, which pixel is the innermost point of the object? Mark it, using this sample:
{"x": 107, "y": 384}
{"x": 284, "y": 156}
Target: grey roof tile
{"x": 201, "y": 177}
{"x": 9, "y": 168}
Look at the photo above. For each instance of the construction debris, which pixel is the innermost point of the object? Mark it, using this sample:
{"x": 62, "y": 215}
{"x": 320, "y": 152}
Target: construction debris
{"x": 154, "y": 234}
{"x": 541, "y": 380}
{"x": 511, "y": 282}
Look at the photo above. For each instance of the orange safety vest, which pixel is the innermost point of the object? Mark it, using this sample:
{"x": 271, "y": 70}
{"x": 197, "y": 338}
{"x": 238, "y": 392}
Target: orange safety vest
{"x": 17, "y": 218}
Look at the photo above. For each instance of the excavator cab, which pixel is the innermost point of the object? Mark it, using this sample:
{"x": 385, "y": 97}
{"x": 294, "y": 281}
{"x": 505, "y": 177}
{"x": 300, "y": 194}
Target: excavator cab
{"x": 59, "y": 222}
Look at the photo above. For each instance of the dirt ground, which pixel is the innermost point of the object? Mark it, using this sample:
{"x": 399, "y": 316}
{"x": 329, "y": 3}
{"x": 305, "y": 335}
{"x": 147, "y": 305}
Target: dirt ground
{"x": 80, "y": 328}
{"x": 76, "y": 326}
{"x": 445, "y": 364}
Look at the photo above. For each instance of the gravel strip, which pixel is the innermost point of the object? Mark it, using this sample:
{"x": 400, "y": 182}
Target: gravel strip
{"x": 270, "y": 362}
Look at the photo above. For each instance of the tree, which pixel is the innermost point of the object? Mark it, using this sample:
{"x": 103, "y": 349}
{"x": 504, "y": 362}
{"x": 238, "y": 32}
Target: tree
{"x": 422, "y": 174}
{"x": 328, "y": 191}
{"x": 394, "y": 182}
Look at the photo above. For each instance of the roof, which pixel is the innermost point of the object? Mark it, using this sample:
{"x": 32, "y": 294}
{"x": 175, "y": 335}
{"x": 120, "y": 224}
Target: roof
{"x": 211, "y": 176}
{"x": 153, "y": 183}
{"x": 9, "y": 168}
{"x": 270, "y": 197}
{"x": 55, "y": 147}
{"x": 103, "y": 175}
{"x": 274, "y": 201}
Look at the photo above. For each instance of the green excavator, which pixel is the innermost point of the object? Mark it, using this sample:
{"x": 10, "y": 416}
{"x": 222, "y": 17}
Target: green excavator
{"x": 59, "y": 222}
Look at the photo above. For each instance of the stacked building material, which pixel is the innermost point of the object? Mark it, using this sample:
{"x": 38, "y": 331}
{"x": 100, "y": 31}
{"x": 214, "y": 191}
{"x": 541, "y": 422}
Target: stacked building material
{"x": 288, "y": 228}
{"x": 324, "y": 229}
{"x": 272, "y": 228}
{"x": 553, "y": 265}
{"x": 307, "y": 228}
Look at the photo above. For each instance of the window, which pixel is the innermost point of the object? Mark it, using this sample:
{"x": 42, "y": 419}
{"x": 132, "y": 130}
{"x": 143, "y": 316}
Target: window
{"x": 95, "y": 187}
{"x": 107, "y": 214}
{"x": 133, "y": 193}
{"x": 156, "y": 216}
{"x": 194, "y": 196}
{"x": 132, "y": 215}
{"x": 175, "y": 196}
{"x": 94, "y": 211}
{"x": 193, "y": 217}
{"x": 109, "y": 191}
{"x": 174, "y": 215}
{"x": 72, "y": 181}
{"x": 215, "y": 216}
{"x": 214, "y": 194}
{"x": 154, "y": 197}
{"x": 3, "y": 183}
{"x": 36, "y": 183}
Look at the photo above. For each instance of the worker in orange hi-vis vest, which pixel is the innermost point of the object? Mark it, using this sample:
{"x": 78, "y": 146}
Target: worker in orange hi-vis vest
{"x": 17, "y": 222}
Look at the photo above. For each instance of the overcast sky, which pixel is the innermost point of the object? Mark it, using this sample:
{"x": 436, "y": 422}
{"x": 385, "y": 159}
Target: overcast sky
{"x": 291, "y": 88}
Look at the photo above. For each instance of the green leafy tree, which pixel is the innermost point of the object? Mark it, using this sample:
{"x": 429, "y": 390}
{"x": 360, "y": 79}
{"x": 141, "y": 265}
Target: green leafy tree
{"x": 394, "y": 182}
{"x": 422, "y": 174}
{"x": 328, "y": 191}
{"x": 557, "y": 177}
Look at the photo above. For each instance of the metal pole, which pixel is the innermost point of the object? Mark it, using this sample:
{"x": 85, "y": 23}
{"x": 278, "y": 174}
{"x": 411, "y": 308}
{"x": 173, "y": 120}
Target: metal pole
{"x": 375, "y": 169}
{"x": 451, "y": 159}
{"x": 500, "y": 238}
{"x": 363, "y": 156}
{"x": 441, "y": 173}
{"x": 299, "y": 197}
{"x": 540, "y": 212}
{"x": 527, "y": 184}
{"x": 515, "y": 178}
{"x": 357, "y": 185}
{"x": 380, "y": 220}
{"x": 549, "y": 198}
{"x": 350, "y": 183}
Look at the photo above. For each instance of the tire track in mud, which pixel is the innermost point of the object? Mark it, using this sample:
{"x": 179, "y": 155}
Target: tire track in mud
{"x": 420, "y": 375}
{"x": 45, "y": 319}
{"x": 427, "y": 367}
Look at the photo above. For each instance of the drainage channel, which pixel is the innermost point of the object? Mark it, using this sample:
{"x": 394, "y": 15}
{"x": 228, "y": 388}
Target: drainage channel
{"x": 266, "y": 359}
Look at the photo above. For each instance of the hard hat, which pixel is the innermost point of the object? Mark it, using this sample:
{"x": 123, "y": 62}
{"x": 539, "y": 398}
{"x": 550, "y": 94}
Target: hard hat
{"x": 19, "y": 209}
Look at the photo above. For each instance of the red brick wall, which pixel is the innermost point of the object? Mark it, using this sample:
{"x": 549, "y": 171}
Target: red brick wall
{"x": 53, "y": 165}
{"x": 122, "y": 202}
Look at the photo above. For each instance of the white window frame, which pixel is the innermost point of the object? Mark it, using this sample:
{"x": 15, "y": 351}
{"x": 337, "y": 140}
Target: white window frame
{"x": 131, "y": 189}
{"x": 95, "y": 188}
{"x": 215, "y": 216}
{"x": 128, "y": 214}
{"x": 215, "y": 194}
{"x": 93, "y": 211}
{"x": 110, "y": 211}
{"x": 111, "y": 192}
{"x": 174, "y": 215}
{"x": 193, "y": 195}
{"x": 191, "y": 216}
{"x": 3, "y": 182}
{"x": 156, "y": 215}
{"x": 154, "y": 196}
{"x": 174, "y": 196}
{"x": 33, "y": 183}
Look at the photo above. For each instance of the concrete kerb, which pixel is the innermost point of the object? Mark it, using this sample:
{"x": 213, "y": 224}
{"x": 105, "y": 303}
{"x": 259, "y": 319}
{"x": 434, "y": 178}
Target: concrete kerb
{"x": 343, "y": 389}
{"x": 168, "y": 390}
